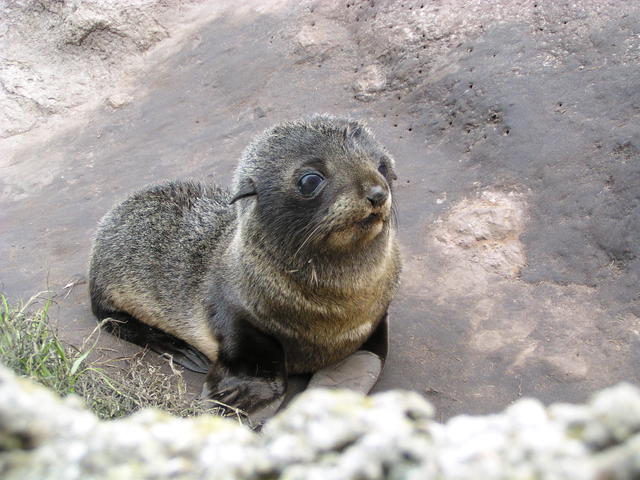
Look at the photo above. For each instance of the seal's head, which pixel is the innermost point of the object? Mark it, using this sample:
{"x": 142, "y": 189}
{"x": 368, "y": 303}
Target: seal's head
{"x": 322, "y": 184}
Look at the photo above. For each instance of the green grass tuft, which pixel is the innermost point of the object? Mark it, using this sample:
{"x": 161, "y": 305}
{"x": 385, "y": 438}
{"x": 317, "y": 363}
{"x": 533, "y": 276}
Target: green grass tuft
{"x": 30, "y": 346}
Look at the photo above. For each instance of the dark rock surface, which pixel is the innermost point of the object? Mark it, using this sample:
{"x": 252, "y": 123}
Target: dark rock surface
{"x": 516, "y": 129}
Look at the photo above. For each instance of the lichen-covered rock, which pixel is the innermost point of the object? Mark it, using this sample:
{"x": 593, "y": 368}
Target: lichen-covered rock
{"x": 322, "y": 435}
{"x": 340, "y": 434}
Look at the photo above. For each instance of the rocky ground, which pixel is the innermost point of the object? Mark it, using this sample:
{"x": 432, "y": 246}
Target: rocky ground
{"x": 322, "y": 435}
{"x": 515, "y": 126}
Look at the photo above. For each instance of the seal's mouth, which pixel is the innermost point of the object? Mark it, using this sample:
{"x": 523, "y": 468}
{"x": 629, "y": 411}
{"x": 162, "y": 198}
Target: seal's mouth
{"x": 358, "y": 232}
{"x": 370, "y": 220}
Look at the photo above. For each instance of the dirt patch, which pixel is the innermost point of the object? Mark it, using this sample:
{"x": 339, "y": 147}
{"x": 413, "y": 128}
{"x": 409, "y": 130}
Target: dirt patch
{"x": 486, "y": 231}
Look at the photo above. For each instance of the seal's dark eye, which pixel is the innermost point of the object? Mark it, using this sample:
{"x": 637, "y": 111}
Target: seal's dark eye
{"x": 309, "y": 183}
{"x": 383, "y": 169}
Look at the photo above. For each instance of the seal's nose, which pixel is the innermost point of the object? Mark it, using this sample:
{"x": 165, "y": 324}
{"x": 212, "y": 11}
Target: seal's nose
{"x": 377, "y": 195}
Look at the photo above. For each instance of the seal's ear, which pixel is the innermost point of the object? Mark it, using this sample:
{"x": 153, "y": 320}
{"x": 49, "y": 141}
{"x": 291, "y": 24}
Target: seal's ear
{"x": 353, "y": 130}
{"x": 247, "y": 189}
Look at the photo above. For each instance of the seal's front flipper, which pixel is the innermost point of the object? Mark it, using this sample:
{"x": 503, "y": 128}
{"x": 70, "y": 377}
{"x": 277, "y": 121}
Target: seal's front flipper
{"x": 250, "y": 374}
{"x": 359, "y": 371}
{"x": 129, "y": 328}
{"x": 259, "y": 398}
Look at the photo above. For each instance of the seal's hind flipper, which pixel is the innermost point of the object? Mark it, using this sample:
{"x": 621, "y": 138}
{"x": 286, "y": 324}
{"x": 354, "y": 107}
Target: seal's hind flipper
{"x": 129, "y": 328}
{"x": 181, "y": 353}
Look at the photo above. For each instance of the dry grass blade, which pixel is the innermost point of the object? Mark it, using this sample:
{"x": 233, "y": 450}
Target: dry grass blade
{"x": 30, "y": 346}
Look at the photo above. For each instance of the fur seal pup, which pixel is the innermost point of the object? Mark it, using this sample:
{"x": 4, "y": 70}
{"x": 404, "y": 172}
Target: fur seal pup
{"x": 291, "y": 272}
